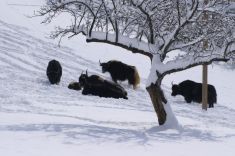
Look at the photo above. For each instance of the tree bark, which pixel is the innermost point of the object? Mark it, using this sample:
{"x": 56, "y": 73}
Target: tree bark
{"x": 157, "y": 97}
{"x": 204, "y": 87}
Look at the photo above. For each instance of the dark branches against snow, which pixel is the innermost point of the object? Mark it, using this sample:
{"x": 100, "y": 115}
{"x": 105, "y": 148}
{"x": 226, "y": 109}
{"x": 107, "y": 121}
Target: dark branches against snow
{"x": 153, "y": 28}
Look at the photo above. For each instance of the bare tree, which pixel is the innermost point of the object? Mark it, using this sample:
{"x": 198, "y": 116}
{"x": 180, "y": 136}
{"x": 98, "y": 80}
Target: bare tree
{"x": 154, "y": 28}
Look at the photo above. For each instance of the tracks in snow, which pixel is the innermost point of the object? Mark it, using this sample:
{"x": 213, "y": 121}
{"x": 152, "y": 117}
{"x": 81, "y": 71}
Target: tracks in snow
{"x": 25, "y": 89}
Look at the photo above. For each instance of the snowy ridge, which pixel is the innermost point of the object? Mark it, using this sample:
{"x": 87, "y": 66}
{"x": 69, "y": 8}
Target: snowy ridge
{"x": 35, "y": 115}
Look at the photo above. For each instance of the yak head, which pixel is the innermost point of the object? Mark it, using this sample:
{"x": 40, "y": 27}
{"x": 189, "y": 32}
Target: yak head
{"x": 74, "y": 86}
{"x": 105, "y": 67}
{"x": 175, "y": 90}
{"x": 83, "y": 79}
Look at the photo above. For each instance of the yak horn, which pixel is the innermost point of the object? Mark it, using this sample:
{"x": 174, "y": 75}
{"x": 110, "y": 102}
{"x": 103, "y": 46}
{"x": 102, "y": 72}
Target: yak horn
{"x": 87, "y": 72}
{"x": 172, "y": 83}
{"x": 99, "y": 62}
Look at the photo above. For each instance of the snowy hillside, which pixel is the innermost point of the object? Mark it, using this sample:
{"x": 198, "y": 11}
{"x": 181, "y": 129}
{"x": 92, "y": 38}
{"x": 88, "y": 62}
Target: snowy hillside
{"x": 39, "y": 119}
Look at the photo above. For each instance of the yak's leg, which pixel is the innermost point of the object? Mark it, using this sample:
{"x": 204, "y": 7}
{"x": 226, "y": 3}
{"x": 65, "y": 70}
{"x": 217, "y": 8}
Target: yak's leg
{"x": 187, "y": 99}
{"x": 211, "y": 105}
{"x": 210, "y": 101}
{"x": 131, "y": 82}
{"x": 85, "y": 91}
{"x": 114, "y": 80}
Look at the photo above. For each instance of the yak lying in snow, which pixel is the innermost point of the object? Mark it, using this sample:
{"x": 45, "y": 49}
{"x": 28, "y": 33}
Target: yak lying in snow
{"x": 192, "y": 91}
{"x": 54, "y": 72}
{"x": 74, "y": 86}
{"x": 96, "y": 85}
{"x": 121, "y": 71}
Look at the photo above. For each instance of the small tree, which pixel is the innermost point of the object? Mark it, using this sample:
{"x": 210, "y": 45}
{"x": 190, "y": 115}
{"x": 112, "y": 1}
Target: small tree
{"x": 154, "y": 28}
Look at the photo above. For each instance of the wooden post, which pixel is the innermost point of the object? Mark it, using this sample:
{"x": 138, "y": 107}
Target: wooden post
{"x": 205, "y": 69}
{"x": 204, "y": 87}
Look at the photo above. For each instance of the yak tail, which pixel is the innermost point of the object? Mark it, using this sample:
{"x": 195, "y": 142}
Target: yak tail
{"x": 125, "y": 97}
{"x": 136, "y": 78}
{"x": 212, "y": 95}
{"x": 215, "y": 98}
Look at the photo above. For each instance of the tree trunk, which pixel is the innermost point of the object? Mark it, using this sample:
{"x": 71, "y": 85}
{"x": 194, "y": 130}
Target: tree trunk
{"x": 157, "y": 97}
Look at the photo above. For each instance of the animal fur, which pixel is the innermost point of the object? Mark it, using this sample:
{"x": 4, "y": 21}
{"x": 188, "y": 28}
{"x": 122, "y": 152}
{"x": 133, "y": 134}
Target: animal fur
{"x": 121, "y": 71}
{"x": 54, "y": 71}
{"x": 98, "y": 86}
{"x": 192, "y": 91}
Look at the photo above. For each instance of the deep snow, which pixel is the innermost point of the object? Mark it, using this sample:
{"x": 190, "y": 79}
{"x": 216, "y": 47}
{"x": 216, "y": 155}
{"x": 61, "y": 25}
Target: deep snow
{"x": 37, "y": 119}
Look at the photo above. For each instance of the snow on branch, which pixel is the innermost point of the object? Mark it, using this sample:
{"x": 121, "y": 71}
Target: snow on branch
{"x": 131, "y": 44}
{"x": 151, "y": 27}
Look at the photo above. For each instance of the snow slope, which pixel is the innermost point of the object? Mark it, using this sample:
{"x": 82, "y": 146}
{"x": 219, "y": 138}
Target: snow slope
{"x": 38, "y": 119}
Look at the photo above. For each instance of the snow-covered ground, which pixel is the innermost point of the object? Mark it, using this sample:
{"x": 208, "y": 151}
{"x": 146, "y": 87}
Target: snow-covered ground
{"x": 38, "y": 119}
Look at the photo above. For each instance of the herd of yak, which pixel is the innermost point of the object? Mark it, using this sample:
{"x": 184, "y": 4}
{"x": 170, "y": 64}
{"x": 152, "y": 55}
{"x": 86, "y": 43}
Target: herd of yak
{"x": 119, "y": 71}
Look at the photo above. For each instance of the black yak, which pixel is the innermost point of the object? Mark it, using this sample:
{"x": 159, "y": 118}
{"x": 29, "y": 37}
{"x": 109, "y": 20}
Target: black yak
{"x": 192, "y": 91}
{"x": 95, "y": 85}
{"x": 121, "y": 71}
{"x": 74, "y": 86}
{"x": 54, "y": 72}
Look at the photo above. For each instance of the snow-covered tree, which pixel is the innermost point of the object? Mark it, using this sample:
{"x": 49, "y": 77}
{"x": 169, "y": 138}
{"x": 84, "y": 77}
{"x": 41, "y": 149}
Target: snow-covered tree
{"x": 201, "y": 29}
